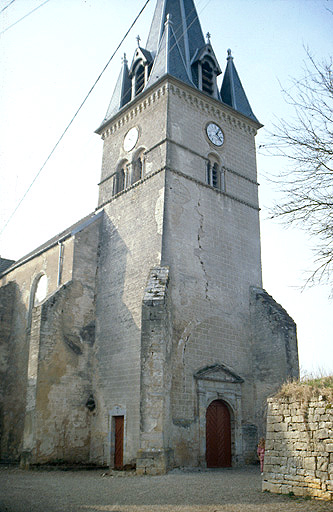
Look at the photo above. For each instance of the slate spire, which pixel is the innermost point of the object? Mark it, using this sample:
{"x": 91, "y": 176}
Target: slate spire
{"x": 122, "y": 91}
{"x": 186, "y": 27}
{"x": 169, "y": 58}
{"x": 176, "y": 46}
{"x": 232, "y": 91}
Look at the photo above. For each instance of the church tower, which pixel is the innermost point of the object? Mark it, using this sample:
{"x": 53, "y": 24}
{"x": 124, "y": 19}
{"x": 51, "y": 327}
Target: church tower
{"x": 188, "y": 344}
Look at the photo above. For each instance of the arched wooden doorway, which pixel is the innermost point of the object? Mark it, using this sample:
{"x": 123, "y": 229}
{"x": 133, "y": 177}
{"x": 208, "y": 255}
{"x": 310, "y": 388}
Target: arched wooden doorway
{"x": 218, "y": 435}
{"x": 119, "y": 442}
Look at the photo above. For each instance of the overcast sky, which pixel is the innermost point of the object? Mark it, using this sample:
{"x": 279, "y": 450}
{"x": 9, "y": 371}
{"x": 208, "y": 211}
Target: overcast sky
{"x": 50, "y": 60}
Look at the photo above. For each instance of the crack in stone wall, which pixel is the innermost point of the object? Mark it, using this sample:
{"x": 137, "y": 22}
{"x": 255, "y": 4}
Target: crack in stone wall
{"x": 200, "y": 233}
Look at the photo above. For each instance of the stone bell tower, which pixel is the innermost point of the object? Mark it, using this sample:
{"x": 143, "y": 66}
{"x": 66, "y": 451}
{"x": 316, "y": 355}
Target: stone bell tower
{"x": 188, "y": 344}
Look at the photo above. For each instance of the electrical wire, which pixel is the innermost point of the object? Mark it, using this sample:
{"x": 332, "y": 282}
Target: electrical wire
{"x": 10, "y": 3}
{"x": 180, "y": 35}
{"x": 25, "y": 16}
{"x": 85, "y": 99}
{"x": 73, "y": 118}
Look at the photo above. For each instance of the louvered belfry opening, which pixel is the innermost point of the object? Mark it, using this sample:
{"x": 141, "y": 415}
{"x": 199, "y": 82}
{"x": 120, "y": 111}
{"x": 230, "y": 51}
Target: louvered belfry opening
{"x": 215, "y": 176}
{"x": 139, "y": 79}
{"x": 207, "y": 78}
{"x": 218, "y": 435}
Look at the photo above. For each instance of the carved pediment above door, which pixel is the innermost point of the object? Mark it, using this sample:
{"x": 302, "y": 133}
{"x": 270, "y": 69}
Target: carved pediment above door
{"x": 218, "y": 382}
{"x": 218, "y": 373}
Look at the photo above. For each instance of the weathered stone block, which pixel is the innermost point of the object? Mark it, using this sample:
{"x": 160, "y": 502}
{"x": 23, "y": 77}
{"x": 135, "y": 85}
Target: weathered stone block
{"x": 322, "y": 463}
{"x": 322, "y": 475}
{"x": 271, "y": 487}
{"x": 286, "y": 488}
{"x": 297, "y": 419}
{"x": 328, "y": 446}
{"x": 321, "y": 434}
{"x": 309, "y": 463}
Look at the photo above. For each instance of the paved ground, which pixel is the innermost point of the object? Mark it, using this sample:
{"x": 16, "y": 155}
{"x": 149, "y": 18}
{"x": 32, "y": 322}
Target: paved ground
{"x": 225, "y": 490}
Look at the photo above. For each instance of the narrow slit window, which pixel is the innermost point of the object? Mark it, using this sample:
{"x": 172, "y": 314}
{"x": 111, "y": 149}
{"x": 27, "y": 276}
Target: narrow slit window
{"x": 213, "y": 175}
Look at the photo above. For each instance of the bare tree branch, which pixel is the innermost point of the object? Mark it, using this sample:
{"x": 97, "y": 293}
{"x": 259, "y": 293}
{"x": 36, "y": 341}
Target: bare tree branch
{"x": 306, "y": 141}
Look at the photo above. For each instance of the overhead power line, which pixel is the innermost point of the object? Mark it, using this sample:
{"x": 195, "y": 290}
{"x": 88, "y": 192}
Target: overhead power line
{"x": 10, "y": 3}
{"x": 25, "y": 16}
{"x": 179, "y": 33}
{"x": 73, "y": 118}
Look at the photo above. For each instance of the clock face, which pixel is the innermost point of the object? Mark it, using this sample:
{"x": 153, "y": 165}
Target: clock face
{"x": 215, "y": 134}
{"x": 131, "y": 139}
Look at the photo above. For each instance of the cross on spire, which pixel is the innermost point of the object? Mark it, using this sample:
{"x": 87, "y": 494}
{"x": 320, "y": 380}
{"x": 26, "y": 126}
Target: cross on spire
{"x": 208, "y": 35}
{"x": 138, "y": 39}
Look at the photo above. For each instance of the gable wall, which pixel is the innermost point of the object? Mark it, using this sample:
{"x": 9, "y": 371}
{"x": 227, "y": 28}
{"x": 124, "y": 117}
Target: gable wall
{"x": 45, "y": 346}
{"x": 16, "y": 345}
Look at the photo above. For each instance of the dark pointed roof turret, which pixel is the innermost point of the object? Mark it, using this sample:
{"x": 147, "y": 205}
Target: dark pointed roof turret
{"x": 232, "y": 91}
{"x": 177, "y": 47}
{"x": 122, "y": 91}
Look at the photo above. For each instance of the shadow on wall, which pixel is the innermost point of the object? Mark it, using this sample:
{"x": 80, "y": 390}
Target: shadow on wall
{"x": 116, "y": 380}
{"x": 13, "y": 371}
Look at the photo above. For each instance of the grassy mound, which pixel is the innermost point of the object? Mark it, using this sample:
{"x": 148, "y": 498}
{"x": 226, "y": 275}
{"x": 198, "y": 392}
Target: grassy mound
{"x": 308, "y": 388}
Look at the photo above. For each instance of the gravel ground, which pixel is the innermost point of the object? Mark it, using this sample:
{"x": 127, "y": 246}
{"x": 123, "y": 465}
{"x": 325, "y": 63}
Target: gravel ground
{"x": 225, "y": 490}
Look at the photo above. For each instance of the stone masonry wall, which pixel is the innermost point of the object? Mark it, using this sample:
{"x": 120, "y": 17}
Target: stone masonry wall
{"x": 45, "y": 351}
{"x": 275, "y": 361}
{"x": 130, "y": 247}
{"x": 299, "y": 448}
{"x": 155, "y": 456}
{"x": 211, "y": 242}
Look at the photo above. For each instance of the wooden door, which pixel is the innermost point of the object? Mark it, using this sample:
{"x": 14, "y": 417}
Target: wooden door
{"x": 119, "y": 442}
{"x": 218, "y": 435}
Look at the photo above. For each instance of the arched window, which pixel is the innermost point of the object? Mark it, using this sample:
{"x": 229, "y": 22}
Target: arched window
{"x": 119, "y": 179}
{"x": 205, "y": 70}
{"x": 137, "y": 169}
{"x": 140, "y": 70}
{"x": 214, "y": 175}
{"x": 38, "y": 293}
{"x": 41, "y": 290}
